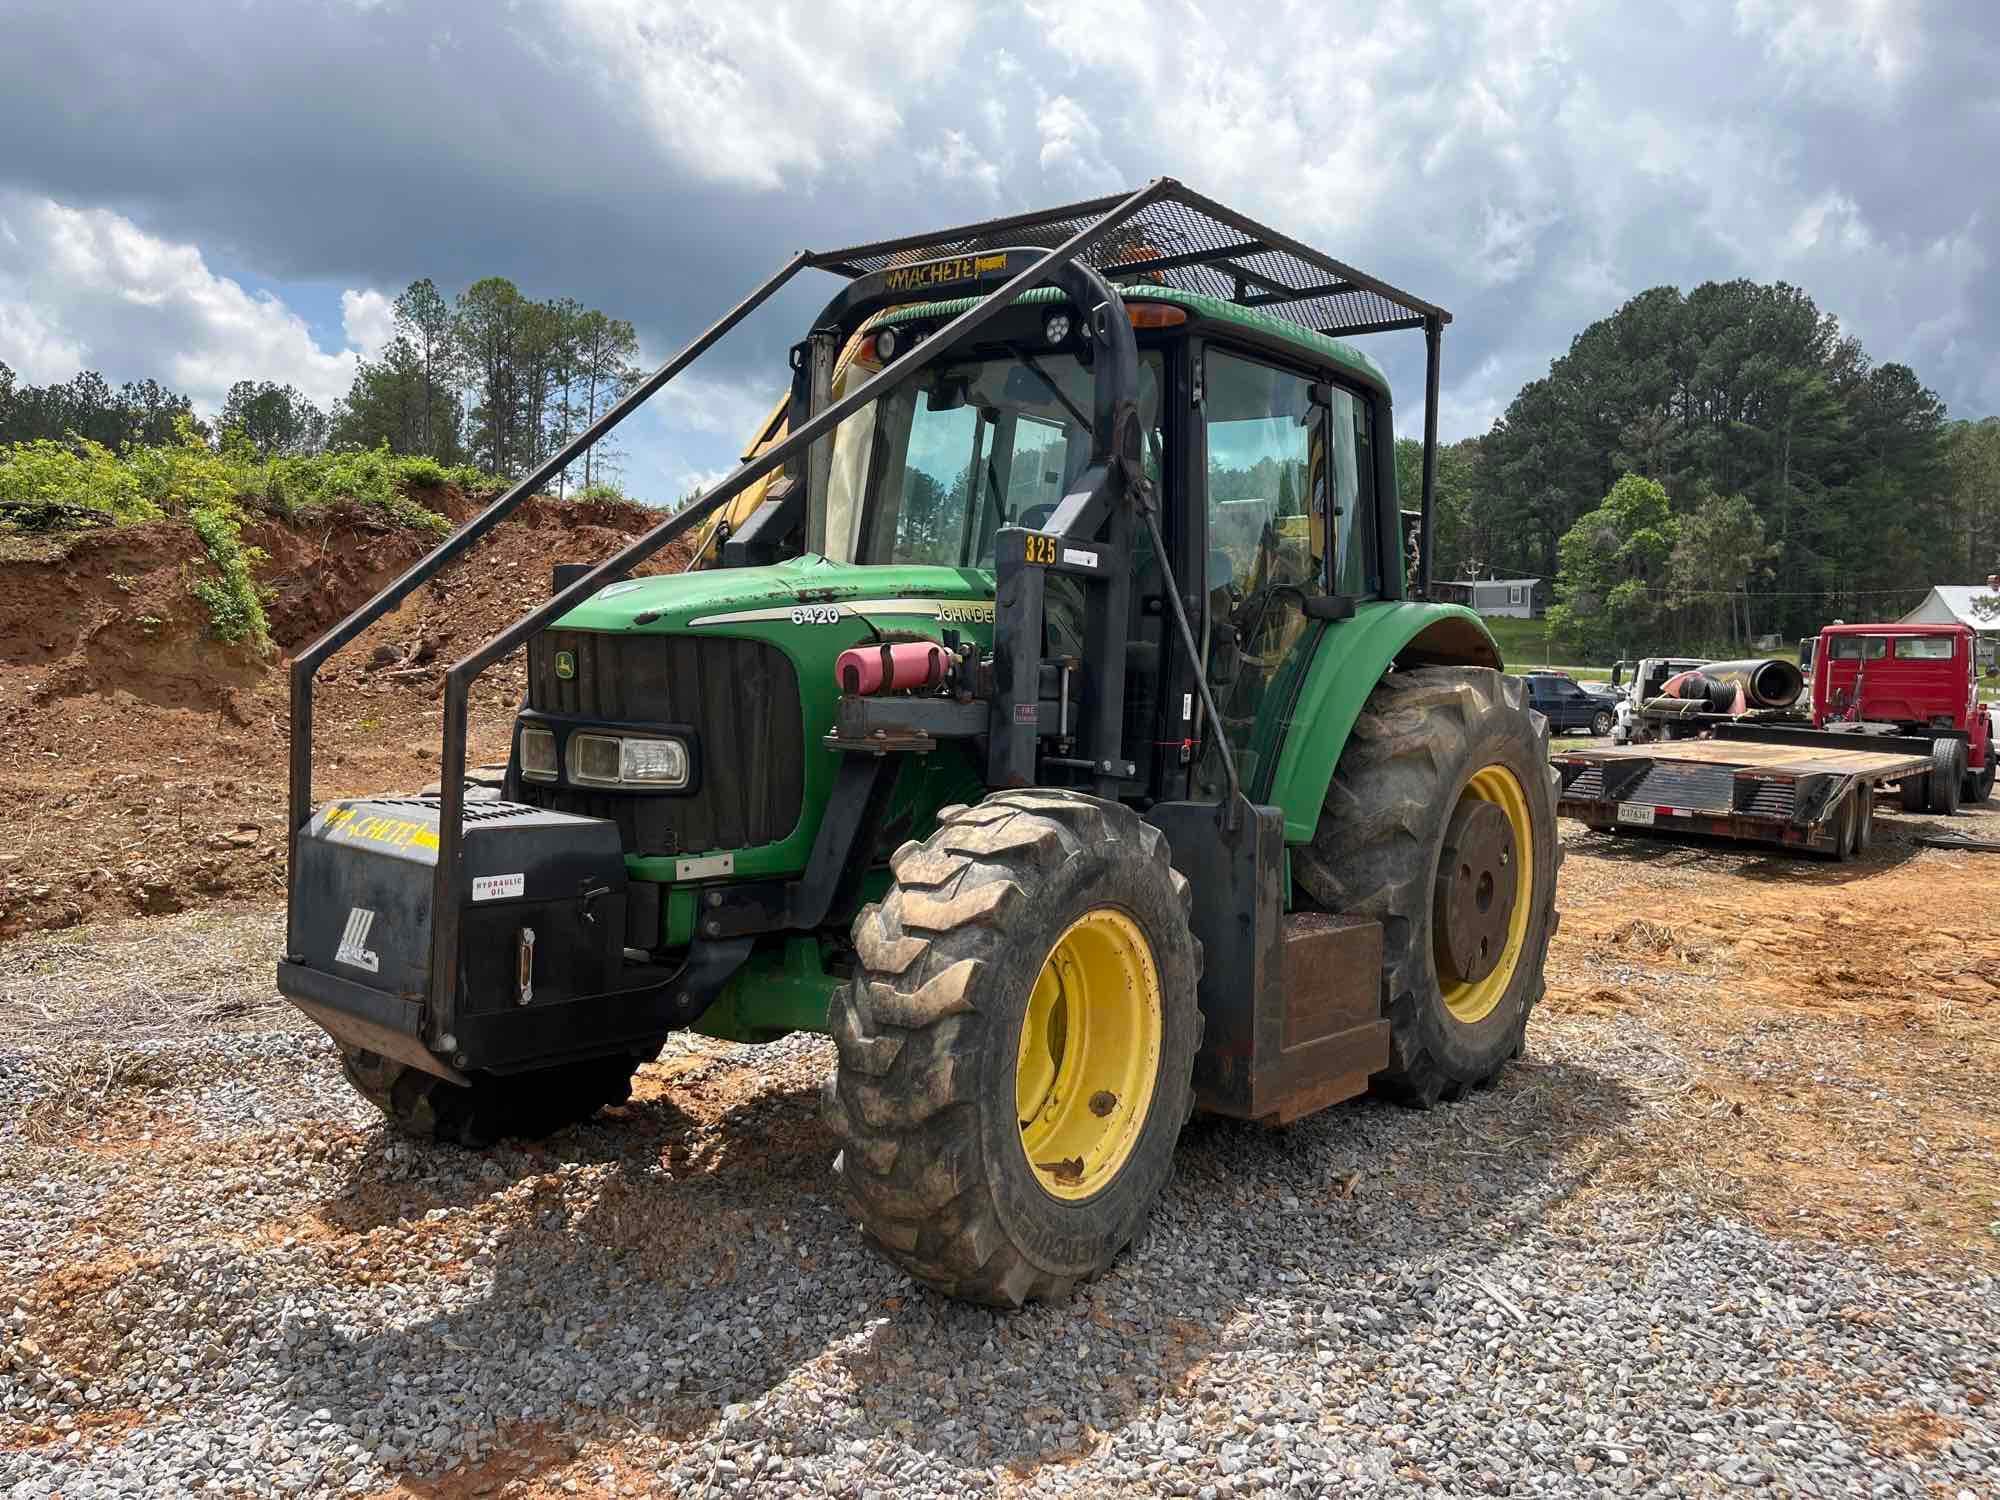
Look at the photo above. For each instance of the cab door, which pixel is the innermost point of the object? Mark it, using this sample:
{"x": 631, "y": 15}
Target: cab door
{"x": 1289, "y": 504}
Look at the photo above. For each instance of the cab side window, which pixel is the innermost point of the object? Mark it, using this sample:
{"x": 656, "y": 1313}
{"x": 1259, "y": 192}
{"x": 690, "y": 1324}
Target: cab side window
{"x": 1357, "y": 559}
{"x": 1267, "y": 550}
{"x": 1262, "y": 452}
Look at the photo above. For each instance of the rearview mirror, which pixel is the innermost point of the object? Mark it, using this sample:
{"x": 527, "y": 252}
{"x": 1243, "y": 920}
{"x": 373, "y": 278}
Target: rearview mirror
{"x": 949, "y": 394}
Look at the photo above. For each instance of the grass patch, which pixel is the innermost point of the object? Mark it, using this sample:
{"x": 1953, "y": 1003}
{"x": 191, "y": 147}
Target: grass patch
{"x": 1526, "y": 645}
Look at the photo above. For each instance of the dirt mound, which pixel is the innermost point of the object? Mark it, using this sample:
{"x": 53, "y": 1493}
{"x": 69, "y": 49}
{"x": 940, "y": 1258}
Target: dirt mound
{"x": 314, "y": 576}
{"x": 109, "y": 612}
{"x": 147, "y": 759}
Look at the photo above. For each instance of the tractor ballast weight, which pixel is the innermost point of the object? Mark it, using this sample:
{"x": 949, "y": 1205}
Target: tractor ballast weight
{"x": 704, "y": 838}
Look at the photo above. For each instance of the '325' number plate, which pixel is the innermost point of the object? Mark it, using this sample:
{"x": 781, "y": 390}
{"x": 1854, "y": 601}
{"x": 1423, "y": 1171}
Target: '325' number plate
{"x": 1041, "y": 550}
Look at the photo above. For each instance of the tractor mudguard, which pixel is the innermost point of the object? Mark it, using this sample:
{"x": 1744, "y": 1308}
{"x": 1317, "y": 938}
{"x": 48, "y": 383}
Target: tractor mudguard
{"x": 1350, "y": 659}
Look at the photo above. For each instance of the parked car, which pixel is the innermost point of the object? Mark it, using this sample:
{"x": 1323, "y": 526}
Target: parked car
{"x": 1568, "y": 706}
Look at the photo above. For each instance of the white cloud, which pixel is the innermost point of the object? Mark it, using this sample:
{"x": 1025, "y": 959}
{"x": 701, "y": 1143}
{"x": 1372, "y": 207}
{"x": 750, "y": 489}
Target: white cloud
{"x": 32, "y": 348}
{"x": 1856, "y": 51}
{"x": 956, "y": 159}
{"x": 759, "y": 95}
{"x": 1070, "y": 141}
{"x": 697, "y": 481}
{"x": 89, "y": 288}
{"x": 1528, "y": 165}
{"x": 1518, "y": 164}
{"x": 732, "y": 410}
{"x": 368, "y": 318}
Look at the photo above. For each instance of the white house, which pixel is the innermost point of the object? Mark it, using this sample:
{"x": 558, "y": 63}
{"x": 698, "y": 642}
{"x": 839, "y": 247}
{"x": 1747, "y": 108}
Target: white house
{"x": 1491, "y": 596}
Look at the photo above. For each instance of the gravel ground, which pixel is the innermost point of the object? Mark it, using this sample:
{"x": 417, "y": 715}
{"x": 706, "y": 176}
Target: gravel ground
{"x": 218, "y": 1274}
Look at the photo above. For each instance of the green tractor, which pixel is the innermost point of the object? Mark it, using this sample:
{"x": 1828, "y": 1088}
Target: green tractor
{"x": 1065, "y": 731}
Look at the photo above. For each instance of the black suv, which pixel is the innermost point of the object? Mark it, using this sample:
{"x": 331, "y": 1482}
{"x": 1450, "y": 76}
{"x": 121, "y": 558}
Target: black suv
{"x": 1568, "y": 708}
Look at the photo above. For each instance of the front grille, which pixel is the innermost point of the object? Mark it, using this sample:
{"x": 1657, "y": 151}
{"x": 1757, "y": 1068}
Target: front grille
{"x": 740, "y": 697}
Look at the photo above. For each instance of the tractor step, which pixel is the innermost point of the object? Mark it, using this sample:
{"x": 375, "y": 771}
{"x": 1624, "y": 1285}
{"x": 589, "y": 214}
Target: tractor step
{"x": 1334, "y": 1036}
{"x": 1292, "y": 1004}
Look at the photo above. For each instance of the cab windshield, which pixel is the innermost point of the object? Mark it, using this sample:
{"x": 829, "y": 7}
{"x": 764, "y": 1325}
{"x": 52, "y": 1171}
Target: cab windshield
{"x": 928, "y": 473}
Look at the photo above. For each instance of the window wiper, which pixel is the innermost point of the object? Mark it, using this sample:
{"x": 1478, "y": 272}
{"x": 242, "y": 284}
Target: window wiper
{"x": 1057, "y": 391}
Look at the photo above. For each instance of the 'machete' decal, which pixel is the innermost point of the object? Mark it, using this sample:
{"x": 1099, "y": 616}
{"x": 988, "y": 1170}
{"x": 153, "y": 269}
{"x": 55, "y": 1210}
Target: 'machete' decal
{"x": 941, "y": 272}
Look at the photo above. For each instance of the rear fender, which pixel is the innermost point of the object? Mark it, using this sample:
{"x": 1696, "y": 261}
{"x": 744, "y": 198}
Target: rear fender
{"x": 1351, "y": 657}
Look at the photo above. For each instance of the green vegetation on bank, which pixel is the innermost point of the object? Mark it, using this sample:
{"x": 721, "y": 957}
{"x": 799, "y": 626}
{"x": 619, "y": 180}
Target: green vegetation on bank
{"x": 48, "y": 486}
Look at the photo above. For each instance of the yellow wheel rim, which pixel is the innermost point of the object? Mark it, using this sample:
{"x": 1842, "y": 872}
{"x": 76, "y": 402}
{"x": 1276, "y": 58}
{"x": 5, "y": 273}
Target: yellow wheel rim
{"x": 1474, "y": 1000}
{"x": 1089, "y": 1054}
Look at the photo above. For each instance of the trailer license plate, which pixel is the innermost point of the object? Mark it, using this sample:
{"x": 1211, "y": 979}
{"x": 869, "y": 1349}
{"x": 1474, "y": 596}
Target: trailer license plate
{"x": 1633, "y": 812}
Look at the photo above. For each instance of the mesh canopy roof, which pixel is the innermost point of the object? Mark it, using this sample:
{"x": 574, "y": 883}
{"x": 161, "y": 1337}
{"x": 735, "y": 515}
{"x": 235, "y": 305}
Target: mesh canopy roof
{"x": 1178, "y": 238}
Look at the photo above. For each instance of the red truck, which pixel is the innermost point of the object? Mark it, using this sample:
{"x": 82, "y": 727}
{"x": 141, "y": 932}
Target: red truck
{"x": 1915, "y": 681}
{"x": 1892, "y": 705}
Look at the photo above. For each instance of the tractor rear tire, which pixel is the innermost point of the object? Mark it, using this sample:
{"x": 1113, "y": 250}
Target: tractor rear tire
{"x": 1428, "y": 743}
{"x": 1978, "y": 784}
{"x": 1033, "y": 954}
{"x": 495, "y": 1106}
{"x": 1947, "y": 773}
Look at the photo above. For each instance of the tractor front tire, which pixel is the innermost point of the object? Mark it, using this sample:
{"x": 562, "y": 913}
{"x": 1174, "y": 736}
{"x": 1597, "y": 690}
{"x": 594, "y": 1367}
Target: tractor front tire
{"x": 1016, "y": 1050}
{"x": 494, "y": 1106}
{"x": 1445, "y": 781}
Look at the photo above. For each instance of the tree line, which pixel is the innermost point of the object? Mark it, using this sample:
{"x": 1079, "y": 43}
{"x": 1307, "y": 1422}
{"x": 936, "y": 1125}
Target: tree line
{"x": 492, "y": 378}
{"x": 1781, "y": 478}
{"x": 87, "y": 405}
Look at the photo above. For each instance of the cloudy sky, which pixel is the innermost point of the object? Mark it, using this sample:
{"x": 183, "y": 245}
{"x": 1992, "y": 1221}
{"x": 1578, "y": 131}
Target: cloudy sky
{"x": 227, "y": 188}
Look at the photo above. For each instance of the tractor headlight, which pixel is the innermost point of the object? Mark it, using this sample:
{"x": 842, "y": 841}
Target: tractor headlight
{"x": 613, "y": 760}
{"x": 654, "y": 762}
{"x": 538, "y": 754}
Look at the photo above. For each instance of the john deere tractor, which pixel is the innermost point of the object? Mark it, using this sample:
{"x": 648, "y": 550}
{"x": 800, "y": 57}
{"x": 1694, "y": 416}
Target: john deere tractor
{"x": 1060, "y": 728}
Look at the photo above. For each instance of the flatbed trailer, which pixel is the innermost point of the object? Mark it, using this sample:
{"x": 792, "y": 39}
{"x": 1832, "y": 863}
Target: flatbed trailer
{"x": 1811, "y": 790}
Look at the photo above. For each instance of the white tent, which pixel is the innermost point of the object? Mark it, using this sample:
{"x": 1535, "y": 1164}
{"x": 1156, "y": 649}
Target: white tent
{"x": 1964, "y": 604}
{"x": 1960, "y": 604}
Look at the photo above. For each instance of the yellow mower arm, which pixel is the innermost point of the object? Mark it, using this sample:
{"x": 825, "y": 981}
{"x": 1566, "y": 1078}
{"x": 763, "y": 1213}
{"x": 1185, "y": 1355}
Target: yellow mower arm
{"x": 727, "y": 521}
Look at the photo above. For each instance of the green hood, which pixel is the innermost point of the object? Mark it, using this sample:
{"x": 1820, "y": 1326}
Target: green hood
{"x": 751, "y": 601}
